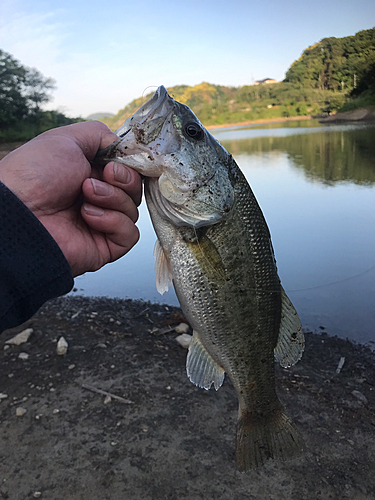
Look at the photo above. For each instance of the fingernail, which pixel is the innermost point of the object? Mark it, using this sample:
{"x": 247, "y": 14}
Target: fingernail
{"x": 121, "y": 174}
{"x": 93, "y": 210}
{"x": 101, "y": 188}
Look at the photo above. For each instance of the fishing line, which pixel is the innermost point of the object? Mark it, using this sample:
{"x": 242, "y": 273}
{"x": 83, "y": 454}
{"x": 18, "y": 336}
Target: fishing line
{"x": 334, "y": 282}
{"x": 317, "y": 287}
{"x": 149, "y": 87}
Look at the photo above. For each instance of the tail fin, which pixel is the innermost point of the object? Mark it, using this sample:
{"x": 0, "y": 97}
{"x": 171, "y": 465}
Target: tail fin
{"x": 260, "y": 439}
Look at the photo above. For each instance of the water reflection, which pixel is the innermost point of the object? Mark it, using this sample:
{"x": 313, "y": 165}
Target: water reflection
{"x": 328, "y": 156}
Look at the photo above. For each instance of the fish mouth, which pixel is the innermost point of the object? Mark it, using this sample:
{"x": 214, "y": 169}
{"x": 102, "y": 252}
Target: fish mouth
{"x": 157, "y": 108}
{"x": 153, "y": 106}
{"x": 136, "y": 145}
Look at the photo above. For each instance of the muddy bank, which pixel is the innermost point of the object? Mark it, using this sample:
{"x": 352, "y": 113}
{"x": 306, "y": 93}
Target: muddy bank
{"x": 169, "y": 439}
{"x": 357, "y": 115}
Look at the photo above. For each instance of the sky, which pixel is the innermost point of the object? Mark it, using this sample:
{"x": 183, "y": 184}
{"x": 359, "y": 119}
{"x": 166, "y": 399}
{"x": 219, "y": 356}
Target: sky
{"x": 103, "y": 54}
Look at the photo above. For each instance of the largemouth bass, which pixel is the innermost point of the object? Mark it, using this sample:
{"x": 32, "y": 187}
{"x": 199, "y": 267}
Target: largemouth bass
{"x": 215, "y": 246}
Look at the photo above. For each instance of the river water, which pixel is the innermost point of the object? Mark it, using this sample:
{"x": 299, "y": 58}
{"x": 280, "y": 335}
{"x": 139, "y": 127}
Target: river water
{"x": 316, "y": 187}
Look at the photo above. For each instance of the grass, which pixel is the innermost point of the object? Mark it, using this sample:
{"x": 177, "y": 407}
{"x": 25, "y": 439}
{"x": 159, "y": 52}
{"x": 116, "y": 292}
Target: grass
{"x": 365, "y": 100}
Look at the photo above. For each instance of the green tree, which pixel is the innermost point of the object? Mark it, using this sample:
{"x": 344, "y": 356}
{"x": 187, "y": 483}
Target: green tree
{"x": 22, "y": 90}
{"x": 13, "y": 103}
{"x": 333, "y": 103}
{"x": 36, "y": 88}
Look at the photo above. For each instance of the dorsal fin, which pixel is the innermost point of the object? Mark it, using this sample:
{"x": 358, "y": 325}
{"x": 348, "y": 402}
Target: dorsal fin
{"x": 163, "y": 271}
{"x": 201, "y": 369}
{"x": 291, "y": 341}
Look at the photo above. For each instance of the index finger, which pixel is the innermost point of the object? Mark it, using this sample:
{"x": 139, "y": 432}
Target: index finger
{"x": 89, "y": 136}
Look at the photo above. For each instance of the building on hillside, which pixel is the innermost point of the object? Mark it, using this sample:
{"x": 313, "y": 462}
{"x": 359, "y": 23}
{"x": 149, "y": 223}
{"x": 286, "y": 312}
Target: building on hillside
{"x": 265, "y": 81}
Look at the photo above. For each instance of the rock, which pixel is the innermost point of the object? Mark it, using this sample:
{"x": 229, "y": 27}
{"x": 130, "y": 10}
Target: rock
{"x": 23, "y": 355}
{"x": 62, "y": 347}
{"x": 184, "y": 340}
{"x": 182, "y": 328}
{"x": 20, "y": 412}
{"x": 360, "y": 396}
{"x": 107, "y": 399}
{"x": 37, "y": 494}
{"x": 3, "y": 396}
{"x": 20, "y": 338}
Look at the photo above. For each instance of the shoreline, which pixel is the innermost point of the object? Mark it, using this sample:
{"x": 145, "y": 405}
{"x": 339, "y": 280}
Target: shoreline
{"x": 359, "y": 115}
{"x": 262, "y": 121}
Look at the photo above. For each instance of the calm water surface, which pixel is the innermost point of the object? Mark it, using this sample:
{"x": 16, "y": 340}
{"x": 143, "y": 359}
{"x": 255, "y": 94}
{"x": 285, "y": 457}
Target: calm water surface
{"x": 316, "y": 187}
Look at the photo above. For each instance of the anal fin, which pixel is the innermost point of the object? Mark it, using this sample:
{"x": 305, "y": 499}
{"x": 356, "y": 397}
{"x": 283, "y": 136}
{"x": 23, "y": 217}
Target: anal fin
{"x": 201, "y": 368}
{"x": 291, "y": 340}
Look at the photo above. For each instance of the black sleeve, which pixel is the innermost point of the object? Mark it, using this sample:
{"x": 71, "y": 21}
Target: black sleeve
{"x": 32, "y": 267}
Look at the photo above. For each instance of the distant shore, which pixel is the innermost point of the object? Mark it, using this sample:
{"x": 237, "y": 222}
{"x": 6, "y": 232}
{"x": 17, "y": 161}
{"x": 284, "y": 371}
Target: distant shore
{"x": 360, "y": 115}
{"x": 277, "y": 119}
{"x": 355, "y": 116}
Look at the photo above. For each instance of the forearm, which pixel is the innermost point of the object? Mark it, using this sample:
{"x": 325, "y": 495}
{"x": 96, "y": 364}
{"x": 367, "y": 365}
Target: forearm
{"x": 32, "y": 267}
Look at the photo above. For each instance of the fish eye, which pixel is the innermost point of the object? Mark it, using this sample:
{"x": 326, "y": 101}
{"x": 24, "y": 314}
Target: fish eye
{"x": 194, "y": 131}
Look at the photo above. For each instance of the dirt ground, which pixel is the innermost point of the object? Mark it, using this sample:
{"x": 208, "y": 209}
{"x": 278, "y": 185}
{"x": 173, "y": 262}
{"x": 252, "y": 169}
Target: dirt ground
{"x": 168, "y": 439}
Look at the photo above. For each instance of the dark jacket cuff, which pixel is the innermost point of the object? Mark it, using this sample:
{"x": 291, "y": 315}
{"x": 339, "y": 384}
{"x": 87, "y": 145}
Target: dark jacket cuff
{"x": 33, "y": 269}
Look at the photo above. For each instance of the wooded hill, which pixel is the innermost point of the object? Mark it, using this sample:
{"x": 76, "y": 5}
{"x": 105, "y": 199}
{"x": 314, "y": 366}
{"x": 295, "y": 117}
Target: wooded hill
{"x": 333, "y": 74}
{"x": 336, "y": 63}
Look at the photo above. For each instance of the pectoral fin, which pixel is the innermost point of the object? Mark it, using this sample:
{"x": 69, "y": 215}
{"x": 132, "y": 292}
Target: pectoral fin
{"x": 201, "y": 369}
{"x": 291, "y": 341}
{"x": 163, "y": 271}
{"x": 208, "y": 257}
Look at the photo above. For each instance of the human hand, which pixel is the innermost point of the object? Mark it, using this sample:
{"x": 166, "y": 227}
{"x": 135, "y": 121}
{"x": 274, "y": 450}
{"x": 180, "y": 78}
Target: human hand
{"x": 91, "y": 214}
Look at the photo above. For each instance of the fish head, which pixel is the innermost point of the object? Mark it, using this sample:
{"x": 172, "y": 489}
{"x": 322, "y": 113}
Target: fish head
{"x": 166, "y": 142}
